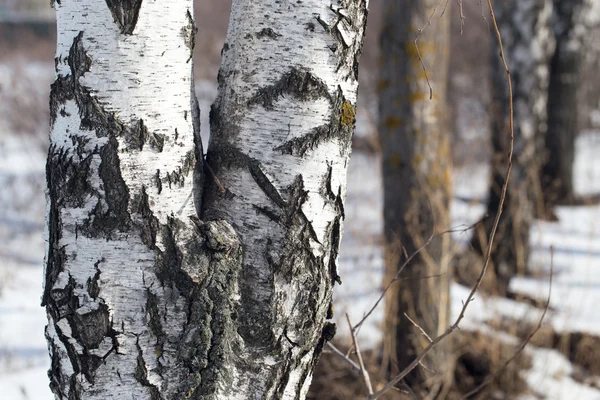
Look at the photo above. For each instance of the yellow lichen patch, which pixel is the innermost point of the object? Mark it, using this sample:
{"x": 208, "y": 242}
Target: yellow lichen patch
{"x": 418, "y": 96}
{"x": 348, "y": 114}
{"x": 392, "y": 122}
{"x": 395, "y": 160}
{"x": 417, "y": 160}
{"x": 424, "y": 48}
{"x": 417, "y": 75}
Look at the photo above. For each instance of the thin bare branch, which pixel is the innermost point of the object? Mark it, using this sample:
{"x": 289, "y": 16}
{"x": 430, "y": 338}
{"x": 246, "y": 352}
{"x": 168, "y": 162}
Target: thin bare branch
{"x": 396, "y": 278}
{"x": 214, "y": 176}
{"x": 418, "y": 327}
{"x": 416, "y": 42}
{"x": 339, "y": 353}
{"x": 462, "y": 15}
{"x": 363, "y": 370}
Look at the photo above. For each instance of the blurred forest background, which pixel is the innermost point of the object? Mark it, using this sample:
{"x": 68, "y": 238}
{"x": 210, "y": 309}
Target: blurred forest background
{"x": 563, "y": 359}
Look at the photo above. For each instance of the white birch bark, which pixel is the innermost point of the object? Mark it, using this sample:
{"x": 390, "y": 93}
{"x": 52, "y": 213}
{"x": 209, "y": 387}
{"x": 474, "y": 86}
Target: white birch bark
{"x": 144, "y": 299}
{"x": 126, "y": 289}
{"x": 280, "y": 141}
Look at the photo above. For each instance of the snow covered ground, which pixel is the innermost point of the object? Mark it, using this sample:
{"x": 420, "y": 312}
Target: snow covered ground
{"x": 575, "y": 237}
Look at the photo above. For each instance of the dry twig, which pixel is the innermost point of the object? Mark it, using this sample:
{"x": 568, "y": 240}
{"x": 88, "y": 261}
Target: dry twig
{"x": 363, "y": 371}
{"x": 416, "y": 43}
{"x": 344, "y": 357}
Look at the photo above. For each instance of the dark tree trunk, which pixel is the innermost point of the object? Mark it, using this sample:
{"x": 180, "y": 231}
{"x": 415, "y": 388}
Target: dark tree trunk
{"x": 416, "y": 179}
{"x": 525, "y": 30}
{"x": 563, "y": 106}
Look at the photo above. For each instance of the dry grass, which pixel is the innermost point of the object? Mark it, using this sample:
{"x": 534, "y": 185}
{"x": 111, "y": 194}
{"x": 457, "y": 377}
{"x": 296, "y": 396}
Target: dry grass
{"x": 478, "y": 355}
{"x": 333, "y": 379}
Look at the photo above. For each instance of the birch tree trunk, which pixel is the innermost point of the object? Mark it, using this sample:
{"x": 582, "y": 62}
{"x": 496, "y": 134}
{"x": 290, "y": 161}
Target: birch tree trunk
{"x": 414, "y": 133}
{"x": 527, "y": 40}
{"x": 151, "y": 293}
{"x": 569, "y": 28}
{"x": 281, "y": 130}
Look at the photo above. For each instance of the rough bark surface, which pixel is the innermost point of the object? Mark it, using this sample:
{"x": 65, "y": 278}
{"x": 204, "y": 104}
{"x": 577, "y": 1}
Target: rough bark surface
{"x": 570, "y": 28}
{"x": 281, "y": 132}
{"x": 414, "y": 133}
{"x": 528, "y": 43}
{"x": 151, "y": 293}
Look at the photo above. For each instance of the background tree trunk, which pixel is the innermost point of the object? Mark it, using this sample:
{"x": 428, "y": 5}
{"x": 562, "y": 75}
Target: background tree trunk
{"x": 527, "y": 39}
{"x": 281, "y": 129}
{"x": 569, "y": 28}
{"x": 144, "y": 299}
{"x": 416, "y": 178}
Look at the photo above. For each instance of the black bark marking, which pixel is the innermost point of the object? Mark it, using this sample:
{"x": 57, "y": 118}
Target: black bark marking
{"x": 141, "y": 374}
{"x": 154, "y": 320}
{"x": 265, "y": 184}
{"x": 138, "y": 136}
{"x": 198, "y": 183}
{"x": 189, "y": 34}
{"x": 301, "y": 85}
{"x": 334, "y": 240}
{"x": 125, "y": 13}
{"x": 158, "y": 182}
{"x": 90, "y": 327}
{"x": 178, "y": 176}
{"x": 340, "y": 127}
{"x": 149, "y": 224}
{"x": 271, "y": 214}
{"x": 92, "y": 283}
{"x": 267, "y": 33}
{"x": 116, "y": 217}
{"x": 233, "y": 157}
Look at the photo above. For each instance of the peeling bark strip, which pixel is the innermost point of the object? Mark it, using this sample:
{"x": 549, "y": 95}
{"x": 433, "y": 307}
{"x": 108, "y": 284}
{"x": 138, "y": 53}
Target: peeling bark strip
{"x": 281, "y": 133}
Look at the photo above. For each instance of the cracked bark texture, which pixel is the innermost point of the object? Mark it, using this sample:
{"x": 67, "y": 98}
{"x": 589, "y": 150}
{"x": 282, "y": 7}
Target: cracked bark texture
{"x": 528, "y": 45}
{"x": 139, "y": 292}
{"x": 281, "y": 130}
{"x": 150, "y": 292}
{"x": 570, "y": 27}
{"x": 416, "y": 180}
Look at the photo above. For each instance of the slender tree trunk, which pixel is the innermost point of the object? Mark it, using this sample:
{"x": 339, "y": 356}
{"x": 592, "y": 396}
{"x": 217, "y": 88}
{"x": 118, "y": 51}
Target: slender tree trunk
{"x": 416, "y": 178}
{"x": 563, "y": 109}
{"x": 527, "y": 40}
{"x": 144, "y": 298}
